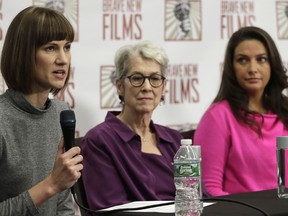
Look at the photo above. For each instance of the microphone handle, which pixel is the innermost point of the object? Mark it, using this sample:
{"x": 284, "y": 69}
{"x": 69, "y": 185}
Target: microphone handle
{"x": 69, "y": 140}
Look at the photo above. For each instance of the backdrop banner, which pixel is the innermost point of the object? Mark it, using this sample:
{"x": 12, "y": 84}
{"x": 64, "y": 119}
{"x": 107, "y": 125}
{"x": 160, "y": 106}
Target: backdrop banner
{"x": 194, "y": 34}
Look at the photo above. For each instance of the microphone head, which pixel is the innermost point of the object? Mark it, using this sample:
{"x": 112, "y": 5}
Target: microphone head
{"x": 67, "y": 118}
{"x": 68, "y": 121}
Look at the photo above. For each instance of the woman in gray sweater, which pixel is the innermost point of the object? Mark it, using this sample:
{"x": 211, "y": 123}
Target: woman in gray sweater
{"x": 36, "y": 173}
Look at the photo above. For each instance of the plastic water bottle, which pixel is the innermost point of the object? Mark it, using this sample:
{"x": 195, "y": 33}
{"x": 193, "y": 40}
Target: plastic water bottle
{"x": 187, "y": 179}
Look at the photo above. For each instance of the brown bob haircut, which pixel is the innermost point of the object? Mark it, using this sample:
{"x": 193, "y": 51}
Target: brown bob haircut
{"x": 30, "y": 29}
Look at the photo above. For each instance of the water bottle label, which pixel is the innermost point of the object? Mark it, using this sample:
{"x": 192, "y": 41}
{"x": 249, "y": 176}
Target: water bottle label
{"x": 187, "y": 169}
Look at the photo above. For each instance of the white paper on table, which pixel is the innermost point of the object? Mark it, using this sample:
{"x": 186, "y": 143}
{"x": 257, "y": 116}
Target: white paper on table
{"x": 169, "y": 208}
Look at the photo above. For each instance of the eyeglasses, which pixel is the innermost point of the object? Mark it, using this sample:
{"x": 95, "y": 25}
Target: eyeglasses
{"x": 138, "y": 79}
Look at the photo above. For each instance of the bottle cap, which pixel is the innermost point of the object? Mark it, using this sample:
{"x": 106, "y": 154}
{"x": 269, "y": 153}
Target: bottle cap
{"x": 282, "y": 142}
{"x": 186, "y": 141}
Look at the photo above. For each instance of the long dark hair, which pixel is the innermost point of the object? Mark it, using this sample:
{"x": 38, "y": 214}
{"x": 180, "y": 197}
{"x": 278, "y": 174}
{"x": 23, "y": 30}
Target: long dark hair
{"x": 273, "y": 97}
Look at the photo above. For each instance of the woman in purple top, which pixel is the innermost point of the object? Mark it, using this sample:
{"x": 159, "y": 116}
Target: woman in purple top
{"x": 128, "y": 157}
{"x": 238, "y": 132}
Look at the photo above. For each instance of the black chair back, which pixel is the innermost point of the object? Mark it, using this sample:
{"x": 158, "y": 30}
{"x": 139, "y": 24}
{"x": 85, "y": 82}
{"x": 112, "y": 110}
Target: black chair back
{"x": 80, "y": 189}
{"x": 188, "y": 134}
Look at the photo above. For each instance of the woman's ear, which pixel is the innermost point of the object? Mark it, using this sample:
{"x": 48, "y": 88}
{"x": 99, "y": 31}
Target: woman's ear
{"x": 119, "y": 87}
{"x": 120, "y": 90}
{"x": 164, "y": 87}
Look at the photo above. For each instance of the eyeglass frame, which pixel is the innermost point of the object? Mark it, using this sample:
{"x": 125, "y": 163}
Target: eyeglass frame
{"x": 145, "y": 77}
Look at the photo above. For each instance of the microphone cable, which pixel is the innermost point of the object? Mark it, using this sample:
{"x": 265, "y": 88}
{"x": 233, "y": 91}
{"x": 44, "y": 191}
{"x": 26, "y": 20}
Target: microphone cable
{"x": 215, "y": 199}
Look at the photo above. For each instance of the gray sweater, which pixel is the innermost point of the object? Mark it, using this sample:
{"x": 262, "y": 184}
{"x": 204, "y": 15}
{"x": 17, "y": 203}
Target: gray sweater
{"x": 28, "y": 144}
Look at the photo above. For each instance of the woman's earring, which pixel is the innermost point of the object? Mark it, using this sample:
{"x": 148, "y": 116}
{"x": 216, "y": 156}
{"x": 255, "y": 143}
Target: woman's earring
{"x": 162, "y": 100}
{"x": 121, "y": 98}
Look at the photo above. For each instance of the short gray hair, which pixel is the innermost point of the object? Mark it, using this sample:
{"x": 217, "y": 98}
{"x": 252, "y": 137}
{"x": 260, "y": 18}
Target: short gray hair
{"x": 144, "y": 49}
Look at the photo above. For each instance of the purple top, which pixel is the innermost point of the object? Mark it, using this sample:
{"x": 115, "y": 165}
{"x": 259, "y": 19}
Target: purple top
{"x": 117, "y": 172}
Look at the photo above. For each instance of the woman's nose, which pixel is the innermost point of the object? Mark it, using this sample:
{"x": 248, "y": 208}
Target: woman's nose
{"x": 62, "y": 57}
{"x": 253, "y": 66}
{"x": 146, "y": 83}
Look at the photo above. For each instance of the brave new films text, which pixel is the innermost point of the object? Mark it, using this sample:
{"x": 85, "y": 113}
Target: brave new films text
{"x": 122, "y": 19}
{"x": 182, "y": 84}
{"x": 234, "y": 15}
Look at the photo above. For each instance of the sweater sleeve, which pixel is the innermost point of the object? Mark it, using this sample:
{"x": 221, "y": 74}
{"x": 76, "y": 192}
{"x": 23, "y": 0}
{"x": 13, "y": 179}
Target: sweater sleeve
{"x": 19, "y": 205}
{"x": 23, "y": 205}
{"x": 212, "y": 134}
{"x": 65, "y": 204}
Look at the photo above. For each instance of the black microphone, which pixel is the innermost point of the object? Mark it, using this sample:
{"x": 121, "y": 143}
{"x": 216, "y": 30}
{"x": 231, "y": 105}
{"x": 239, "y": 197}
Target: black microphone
{"x": 68, "y": 121}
